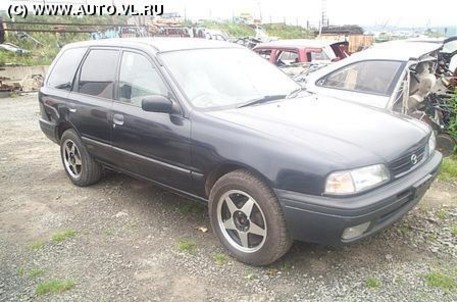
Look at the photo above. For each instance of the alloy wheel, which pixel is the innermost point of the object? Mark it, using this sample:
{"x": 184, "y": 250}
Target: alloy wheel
{"x": 72, "y": 158}
{"x": 241, "y": 221}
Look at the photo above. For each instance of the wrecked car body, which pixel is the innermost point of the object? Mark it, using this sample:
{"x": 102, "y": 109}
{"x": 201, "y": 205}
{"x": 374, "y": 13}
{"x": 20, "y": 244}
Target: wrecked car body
{"x": 410, "y": 78}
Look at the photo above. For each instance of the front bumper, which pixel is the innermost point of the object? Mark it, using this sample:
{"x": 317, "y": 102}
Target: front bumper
{"x": 323, "y": 220}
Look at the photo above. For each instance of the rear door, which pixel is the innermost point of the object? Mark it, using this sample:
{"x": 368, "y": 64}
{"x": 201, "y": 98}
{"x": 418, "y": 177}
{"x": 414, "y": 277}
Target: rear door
{"x": 53, "y": 95}
{"x": 154, "y": 145}
{"x": 91, "y": 100}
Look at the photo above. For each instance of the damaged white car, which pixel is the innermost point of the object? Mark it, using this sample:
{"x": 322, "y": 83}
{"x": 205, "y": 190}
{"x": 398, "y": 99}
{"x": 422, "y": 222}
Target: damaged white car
{"x": 410, "y": 78}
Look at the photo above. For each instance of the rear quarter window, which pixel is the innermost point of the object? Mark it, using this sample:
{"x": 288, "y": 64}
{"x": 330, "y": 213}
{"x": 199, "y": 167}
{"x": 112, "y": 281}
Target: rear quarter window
{"x": 63, "y": 73}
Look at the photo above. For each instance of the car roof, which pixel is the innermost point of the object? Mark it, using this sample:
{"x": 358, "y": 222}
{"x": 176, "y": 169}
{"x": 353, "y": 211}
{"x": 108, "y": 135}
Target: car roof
{"x": 299, "y": 43}
{"x": 427, "y": 40}
{"x": 397, "y": 50}
{"x": 160, "y": 44}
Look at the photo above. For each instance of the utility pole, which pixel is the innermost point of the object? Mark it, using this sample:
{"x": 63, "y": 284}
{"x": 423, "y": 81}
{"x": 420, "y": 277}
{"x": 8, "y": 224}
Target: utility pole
{"x": 323, "y": 21}
{"x": 324, "y": 13}
{"x": 260, "y": 11}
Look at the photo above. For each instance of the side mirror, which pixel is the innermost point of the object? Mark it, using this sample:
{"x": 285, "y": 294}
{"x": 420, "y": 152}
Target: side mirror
{"x": 157, "y": 103}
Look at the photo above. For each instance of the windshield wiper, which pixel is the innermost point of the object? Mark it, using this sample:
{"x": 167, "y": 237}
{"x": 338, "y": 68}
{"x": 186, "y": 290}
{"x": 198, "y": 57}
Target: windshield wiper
{"x": 264, "y": 99}
{"x": 295, "y": 93}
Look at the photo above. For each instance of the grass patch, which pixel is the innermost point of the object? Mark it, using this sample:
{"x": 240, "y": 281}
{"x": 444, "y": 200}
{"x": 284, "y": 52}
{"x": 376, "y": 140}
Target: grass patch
{"x": 131, "y": 226}
{"x": 373, "y": 283}
{"x": 441, "y": 280}
{"x": 192, "y": 208}
{"x": 187, "y": 245}
{"x": 286, "y": 267}
{"x": 220, "y": 259}
{"x": 432, "y": 237}
{"x": 448, "y": 169}
{"x": 36, "y": 272}
{"x": 404, "y": 228}
{"x": 61, "y": 236}
{"x": 454, "y": 230}
{"x": 108, "y": 232}
{"x": 442, "y": 214}
{"x": 21, "y": 271}
{"x": 54, "y": 286}
{"x": 250, "y": 276}
{"x": 36, "y": 245}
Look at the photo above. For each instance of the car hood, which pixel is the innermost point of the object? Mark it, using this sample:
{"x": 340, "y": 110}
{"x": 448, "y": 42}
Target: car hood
{"x": 332, "y": 127}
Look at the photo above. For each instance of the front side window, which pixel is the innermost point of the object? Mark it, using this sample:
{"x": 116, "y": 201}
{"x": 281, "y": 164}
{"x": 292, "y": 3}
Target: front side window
{"x": 98, "y": 73}
{"x": 63, "y": 73}
{"x": 374, "y": 77}
{"x": 450, "y": 46}
{"x": 138, "y": 78}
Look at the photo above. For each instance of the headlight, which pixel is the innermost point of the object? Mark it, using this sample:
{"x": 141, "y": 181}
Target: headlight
{"x": 431, "y": 143}
{"x": 357, "y": 180}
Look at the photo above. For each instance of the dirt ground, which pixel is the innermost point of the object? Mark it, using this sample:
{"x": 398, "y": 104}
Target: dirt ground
{"x": 135, "y": 242}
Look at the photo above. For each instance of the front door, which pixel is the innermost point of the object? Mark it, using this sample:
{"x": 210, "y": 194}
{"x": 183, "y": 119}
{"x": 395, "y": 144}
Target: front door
{"x": 154, "y": 145}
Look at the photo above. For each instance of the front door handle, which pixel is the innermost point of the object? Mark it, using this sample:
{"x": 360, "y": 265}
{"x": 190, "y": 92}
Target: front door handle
{"x": 72, "y": 107}
{"x": 118, "y": 119}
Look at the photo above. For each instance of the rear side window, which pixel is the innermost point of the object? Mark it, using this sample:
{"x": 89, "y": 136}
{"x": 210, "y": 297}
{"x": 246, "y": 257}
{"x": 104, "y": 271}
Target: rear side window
{"x": 63, "y": 73}
{"x": 98, "y": 73}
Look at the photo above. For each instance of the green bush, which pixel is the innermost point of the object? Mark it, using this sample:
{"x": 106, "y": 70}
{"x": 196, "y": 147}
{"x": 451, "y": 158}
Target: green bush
{"x": 234, "y": 30}
{"x": 51, "y": 42}
{"x": 284, "y": 31}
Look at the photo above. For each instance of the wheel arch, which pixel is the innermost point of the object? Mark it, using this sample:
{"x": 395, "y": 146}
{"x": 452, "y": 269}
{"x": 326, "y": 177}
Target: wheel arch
{"x": 225, "y": 168}
{"x": 63, "y": 126}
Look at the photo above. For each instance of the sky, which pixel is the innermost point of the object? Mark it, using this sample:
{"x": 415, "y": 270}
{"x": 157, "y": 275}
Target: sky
{"x": 399, "y": 13}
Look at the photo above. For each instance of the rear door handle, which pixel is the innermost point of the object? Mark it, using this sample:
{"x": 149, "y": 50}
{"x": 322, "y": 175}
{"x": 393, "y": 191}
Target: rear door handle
{"x": 118, "y": 119}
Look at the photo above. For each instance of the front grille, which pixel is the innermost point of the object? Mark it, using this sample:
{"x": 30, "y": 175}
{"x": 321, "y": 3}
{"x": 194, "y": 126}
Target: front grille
{"x": 403, "y": 164}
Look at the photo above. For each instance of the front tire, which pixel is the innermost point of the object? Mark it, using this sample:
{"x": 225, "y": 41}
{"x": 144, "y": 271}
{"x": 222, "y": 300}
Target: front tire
{"x": 79, "y": 165}
{"x": 247, "y": 218}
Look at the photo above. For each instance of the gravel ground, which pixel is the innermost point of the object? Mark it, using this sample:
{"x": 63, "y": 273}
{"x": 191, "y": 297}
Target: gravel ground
{"x": 126, "y": 245}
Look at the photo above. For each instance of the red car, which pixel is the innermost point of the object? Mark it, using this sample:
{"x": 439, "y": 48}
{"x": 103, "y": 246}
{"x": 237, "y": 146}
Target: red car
{"x": 289, "y": 52}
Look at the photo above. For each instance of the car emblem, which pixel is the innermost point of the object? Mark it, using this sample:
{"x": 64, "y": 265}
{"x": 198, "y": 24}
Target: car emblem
{"x": 414, "y": 159}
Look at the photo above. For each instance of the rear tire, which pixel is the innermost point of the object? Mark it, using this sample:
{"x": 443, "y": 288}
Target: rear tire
{"x": 79, "y": 165}
{"x": 247, "y": 218}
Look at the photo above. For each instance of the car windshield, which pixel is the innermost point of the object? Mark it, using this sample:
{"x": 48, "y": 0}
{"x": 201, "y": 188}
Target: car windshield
{"x": 450, "y": 46}
{"x": 226, "y": 77}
